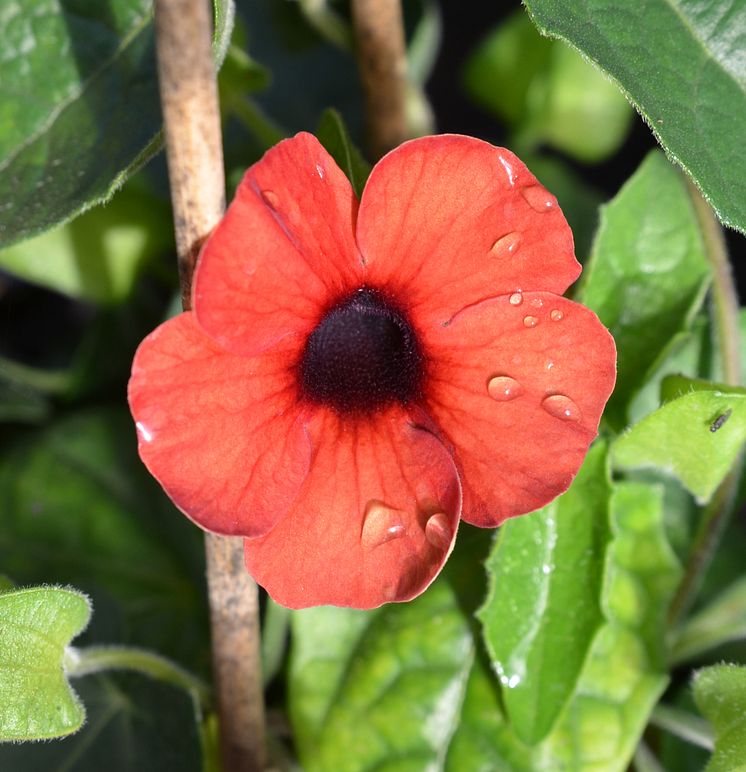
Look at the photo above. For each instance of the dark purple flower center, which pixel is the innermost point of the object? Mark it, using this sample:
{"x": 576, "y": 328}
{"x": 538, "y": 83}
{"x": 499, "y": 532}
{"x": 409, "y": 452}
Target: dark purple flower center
{"x": 361, "y": 356}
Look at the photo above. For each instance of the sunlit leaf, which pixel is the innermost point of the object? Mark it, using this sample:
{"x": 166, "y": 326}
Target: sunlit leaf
{"x": 648, "y": 273}
{"x": 36, "y": 624}
{"x": 681, "y": 65}
{"x": 720, "y": 692}
{"x": 696, "y": 438}
{"x": 379, "y": 689}
{"x": 543, "y": 609}
{"x": 626, "y": 670}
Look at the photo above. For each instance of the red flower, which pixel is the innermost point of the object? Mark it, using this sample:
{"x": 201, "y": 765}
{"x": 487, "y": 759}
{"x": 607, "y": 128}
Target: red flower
{"x": 353, "y": 378}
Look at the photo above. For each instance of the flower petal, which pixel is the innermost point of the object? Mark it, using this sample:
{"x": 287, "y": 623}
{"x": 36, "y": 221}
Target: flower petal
{"x": 374, "y": 523}
{"x": 284, "y": 250}
{"x": 518, "y": 384}
{"x": 220, "y": 432}
{"x": 448, "y": 221}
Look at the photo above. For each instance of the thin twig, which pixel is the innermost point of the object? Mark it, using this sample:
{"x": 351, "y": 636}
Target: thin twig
{"x": 382, "y": 61}
{"x": 195, "y": 163}
{"x": 725, "y": 316}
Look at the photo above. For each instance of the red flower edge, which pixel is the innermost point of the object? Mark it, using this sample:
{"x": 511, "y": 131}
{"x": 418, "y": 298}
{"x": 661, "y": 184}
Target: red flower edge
{"x": 354, "y": 378}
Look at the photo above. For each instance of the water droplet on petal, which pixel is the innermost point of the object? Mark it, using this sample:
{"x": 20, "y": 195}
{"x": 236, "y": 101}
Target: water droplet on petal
{"x": 270, "y": 198}
{"x": 438, "y": 531}
{"x": 507, "y": 244}
{"x": 556, "y": 315}
{"x": 503, "y": 388}
{"x": 548, "y": 365}
{"x": 530, "y": 321}
{"x": 537, "y": 302}
{"x": 508, "y": 170}
{"x": 560, "y": 406}
{"x": 538, "y": 198}
{"x": 516, "y": 299}
{"x": 381, "y": 524}
{"x": 320, "y": 171}
{"x": 143, "y": 431}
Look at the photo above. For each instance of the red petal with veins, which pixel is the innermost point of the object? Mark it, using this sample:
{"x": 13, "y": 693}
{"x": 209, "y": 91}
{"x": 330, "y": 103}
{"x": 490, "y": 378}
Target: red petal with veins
{"x": 221, "y": 433}
{"x": 448, "y": 221}
{"x": 284, "y": 250}
{"x": 519, "y": 439}
{"x": 375, "y": 520}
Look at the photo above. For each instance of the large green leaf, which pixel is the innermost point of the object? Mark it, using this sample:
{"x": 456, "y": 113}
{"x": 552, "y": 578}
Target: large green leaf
{"x": 682, "y": 65}
{"x": 543, "y": 610}
{"x": 546, "y": 92}
{"x": 647, "y": 275}
{"x": 379, "y": 689}
{"x": 78, "y": 507}
{"x": 696, "y": 438}
{"x": 36, "y": 624}
{"x": 79, "y": 106}
{"x": 720, "y": 693}
{"x": 626, "y": 670}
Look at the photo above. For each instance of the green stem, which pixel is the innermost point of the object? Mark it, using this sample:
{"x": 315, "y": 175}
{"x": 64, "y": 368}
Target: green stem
{"x": 693, "y": 729}
{"x": 645, "y": 760}
{"x": 330, "y": 25}
{"x": 94, "y": 659}
{"x": 725, "y": 318}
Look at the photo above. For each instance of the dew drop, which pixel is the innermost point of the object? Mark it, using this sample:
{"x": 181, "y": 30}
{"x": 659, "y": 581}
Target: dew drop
{"x": 143, "y": 431}
{"x": 507, "y": 244}
{"x": 381, "y": 525}
{"x": 549, "y": 365}
{"x": 562, "y": 407}
{"x": 503, "y": 388}
{"x": 438, "y": 531}
{"x": 516, "y": 299}
{"x": 537, "y": 302}
{"x": 538, "y": 198}
{"x": 508, "y": 170}
{"x": 320, "y": 171}
{"x": 556, "y": 315}
{"x": 270, "y": 198}
{"x": 530, "y": 321}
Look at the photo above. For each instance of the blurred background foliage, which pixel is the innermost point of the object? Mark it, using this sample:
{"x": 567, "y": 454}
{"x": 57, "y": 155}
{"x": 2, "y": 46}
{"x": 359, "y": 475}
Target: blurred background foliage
{"x": 81, "y": 282}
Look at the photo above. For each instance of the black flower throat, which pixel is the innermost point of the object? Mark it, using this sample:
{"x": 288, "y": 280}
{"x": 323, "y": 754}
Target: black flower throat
{"x": 362, "y": 355}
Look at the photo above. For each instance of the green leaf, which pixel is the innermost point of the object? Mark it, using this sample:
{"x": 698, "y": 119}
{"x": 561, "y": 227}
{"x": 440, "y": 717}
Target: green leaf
{"x": 679, "y": 63}
{"x": 721, "y": 621}
{"x": 696, "y": 438}
{"x": 333, "y": 135}
{"x": 133, "y": 723}
{"x": 720, "y": 693}
{"x": 99, "y": 255}
{"x": 547, "y": 92}
{"x": 648, "y": 274}
{"x": 379, "y": 689}
{"x": 79, "y": 508}
{"x": 79, "y": 105}
{"x": 36, "y": 624}
{"x": 483, "y": 739}
{"x": 625, "y": 672}
{"x": 543, "y": 609}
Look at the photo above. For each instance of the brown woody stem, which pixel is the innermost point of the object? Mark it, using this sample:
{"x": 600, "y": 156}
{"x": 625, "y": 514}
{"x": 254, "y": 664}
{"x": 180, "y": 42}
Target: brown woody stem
{"x": 382, "y": 61}
{"x": 195, "y": 164}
